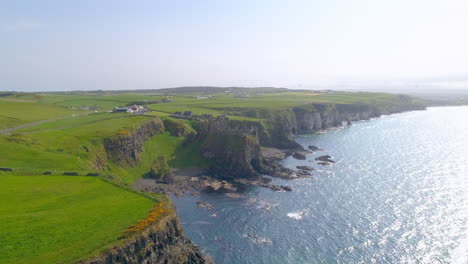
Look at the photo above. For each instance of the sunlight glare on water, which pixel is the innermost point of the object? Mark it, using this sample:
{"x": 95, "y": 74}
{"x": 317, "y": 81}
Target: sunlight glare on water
{"x": 397, "y": 194}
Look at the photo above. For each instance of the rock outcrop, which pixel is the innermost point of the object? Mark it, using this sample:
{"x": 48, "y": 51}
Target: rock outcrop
{"x": 124, "y": 149}
{"x": 232, "y": 144}
{"x": 162, "y": 242}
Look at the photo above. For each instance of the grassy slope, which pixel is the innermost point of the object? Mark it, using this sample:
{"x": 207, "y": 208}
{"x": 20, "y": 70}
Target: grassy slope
{"x": 15, "y": 113}
{"x": 57, "y": 219}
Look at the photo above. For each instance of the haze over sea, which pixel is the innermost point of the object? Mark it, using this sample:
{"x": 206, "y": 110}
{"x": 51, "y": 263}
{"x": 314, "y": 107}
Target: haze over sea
{"x": 398, "y": 193}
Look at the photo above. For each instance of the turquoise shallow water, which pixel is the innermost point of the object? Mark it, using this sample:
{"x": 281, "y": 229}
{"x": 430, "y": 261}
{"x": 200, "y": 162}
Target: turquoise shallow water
{"x": 397, "y": 194}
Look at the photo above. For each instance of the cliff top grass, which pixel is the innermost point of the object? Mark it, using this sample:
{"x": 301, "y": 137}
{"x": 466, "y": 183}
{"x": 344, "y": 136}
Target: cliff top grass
{"x": 59, "y": 219}
{"x": 16, "y": 112}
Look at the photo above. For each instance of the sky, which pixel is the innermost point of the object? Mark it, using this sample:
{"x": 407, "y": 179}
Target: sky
{"x": 149, "y": 44}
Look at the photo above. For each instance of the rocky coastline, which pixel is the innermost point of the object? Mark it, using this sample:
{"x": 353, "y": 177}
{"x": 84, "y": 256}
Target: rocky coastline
{"x": 244, "y": 152}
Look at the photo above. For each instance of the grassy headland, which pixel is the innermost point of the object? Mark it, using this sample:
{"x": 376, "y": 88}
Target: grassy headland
{"x": 55, "y": 218}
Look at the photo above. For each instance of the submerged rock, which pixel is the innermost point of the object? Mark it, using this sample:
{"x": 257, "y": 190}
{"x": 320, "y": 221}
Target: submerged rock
{"x": 233, "y": 195}
{"x": 325, "y": 158}
{"x": 205, "y": 205}
{"x": 314, "y": 148}
{"x": 306, "y": 168}
{"x": 258, "y": 240}
{"x": 303, "y": 173}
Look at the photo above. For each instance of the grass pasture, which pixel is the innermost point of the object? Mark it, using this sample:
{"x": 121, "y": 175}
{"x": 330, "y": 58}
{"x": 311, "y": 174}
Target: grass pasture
{"x": 14, "y": 113}
{"x": 59, "y": 219}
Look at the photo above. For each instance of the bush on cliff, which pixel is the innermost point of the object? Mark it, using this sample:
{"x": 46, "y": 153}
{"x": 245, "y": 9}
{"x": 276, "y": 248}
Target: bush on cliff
{"x": 177, "y": 128}
{"x": 161, "y": 170}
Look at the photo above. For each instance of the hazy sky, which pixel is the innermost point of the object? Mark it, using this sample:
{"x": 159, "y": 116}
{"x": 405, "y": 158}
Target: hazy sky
{"x": 99, "y": 44}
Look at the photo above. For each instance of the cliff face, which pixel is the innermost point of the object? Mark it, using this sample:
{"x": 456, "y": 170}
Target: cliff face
{"x": 314, "y": 117}
{"x": 235, "y": 145}
{"x": 124, "y": 149}
{"x": 232, "y": 144}
{"x": 164, "y": 242}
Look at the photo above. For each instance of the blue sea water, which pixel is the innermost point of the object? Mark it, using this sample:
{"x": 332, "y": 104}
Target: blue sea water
{"x": 398, "y": 193}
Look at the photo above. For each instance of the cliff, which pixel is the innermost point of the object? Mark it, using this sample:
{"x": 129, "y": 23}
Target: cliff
{"x": 314, "y": 117}
{"x": 283, "y": 124}
{"x": 235, "y": 145}
{"x": 162, "y": 241}
{"x": 232, "y": 144}
{"x": 124, "y": 149}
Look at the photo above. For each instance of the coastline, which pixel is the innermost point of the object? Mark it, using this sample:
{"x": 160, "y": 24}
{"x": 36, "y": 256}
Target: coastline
{"x": 196, "y": 180}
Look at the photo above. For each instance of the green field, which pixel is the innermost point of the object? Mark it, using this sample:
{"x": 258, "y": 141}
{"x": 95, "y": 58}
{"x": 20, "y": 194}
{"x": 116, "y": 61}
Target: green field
{"x": 15, "y": 113}
{"x": 59, "y": 219}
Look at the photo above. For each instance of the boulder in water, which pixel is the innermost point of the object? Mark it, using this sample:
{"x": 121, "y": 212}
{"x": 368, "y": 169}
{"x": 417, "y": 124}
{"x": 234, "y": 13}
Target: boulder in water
{"x": 325, "y": 158}
{"x": 205, "y": 205}
{"x": 306, "y": 168}
{"x": 299, "y": 155}
{"x": 314, "y": 148}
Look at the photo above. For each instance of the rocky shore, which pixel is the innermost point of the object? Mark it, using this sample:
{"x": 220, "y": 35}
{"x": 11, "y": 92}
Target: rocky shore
{"x": 246, "y": 151}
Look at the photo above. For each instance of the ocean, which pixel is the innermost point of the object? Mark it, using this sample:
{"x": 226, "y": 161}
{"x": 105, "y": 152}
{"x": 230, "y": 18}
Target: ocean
{"x": 398, "y": 193}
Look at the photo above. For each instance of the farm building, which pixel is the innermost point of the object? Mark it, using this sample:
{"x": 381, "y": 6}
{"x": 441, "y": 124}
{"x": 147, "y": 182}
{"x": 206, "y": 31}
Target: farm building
{"x": 129, "y": 109}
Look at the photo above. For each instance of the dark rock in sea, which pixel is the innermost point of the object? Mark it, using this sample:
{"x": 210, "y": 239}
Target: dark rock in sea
{"x": 274, "y": 168}
{"x": 6, "y": 169}
{"x": 195, "y": 193}
{"x": 93, "y": 174}
{"x": 286, "y": 188}
{"x": 314, "y": 148}
{"x": 275, "y": 188}
{"x": 325, "y": 158}
{"x": 205, "y": 205}
{"x": 70, "y": 173}
{"x": 47, "y": 173}
{"x": 306, "y": 168}
{"x": 303, "y": 173}
{"x": 324, "y": 163}
{"x": 299, "y": 156}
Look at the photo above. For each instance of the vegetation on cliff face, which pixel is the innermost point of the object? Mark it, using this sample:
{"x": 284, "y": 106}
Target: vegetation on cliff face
{"x": 177, "y": 128}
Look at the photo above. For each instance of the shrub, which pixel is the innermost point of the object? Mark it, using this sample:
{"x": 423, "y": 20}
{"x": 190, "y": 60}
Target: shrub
{"x": 177, "y": 128}
{"x": 161, "y": 170}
